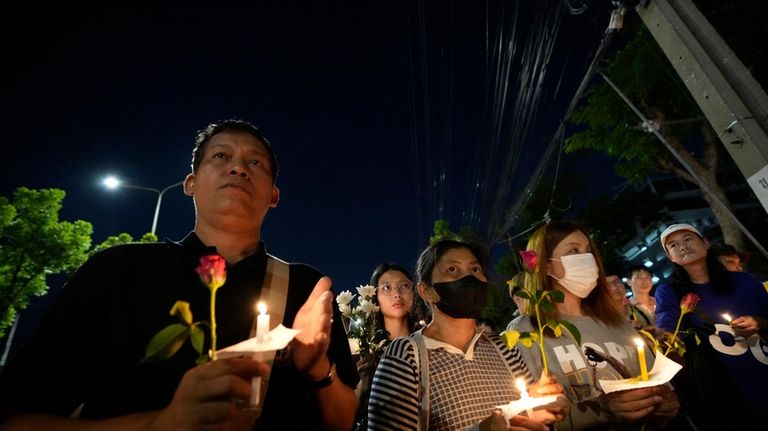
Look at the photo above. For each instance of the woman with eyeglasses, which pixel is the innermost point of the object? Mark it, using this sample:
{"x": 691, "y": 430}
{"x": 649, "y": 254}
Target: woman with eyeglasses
{"x": 397, "y": 316}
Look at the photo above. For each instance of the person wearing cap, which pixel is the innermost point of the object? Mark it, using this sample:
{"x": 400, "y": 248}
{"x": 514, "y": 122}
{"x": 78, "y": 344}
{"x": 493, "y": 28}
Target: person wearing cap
{"x": 732, "y": 259}
{"x": 728, "y": 367}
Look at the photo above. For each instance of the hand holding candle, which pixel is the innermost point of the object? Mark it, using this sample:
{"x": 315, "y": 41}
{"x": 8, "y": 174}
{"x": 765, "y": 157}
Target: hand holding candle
{"x": 641, "y": 358}
{"x": 520, "y": 383}
{"x": 262, "y": 323}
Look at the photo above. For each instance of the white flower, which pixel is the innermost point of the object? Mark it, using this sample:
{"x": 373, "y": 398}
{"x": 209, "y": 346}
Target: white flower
{"x": 344, "y": 298}
{"x": 345, "y": 309}
{"x": 366, "y": 291}
{"x": 368, "y": 307}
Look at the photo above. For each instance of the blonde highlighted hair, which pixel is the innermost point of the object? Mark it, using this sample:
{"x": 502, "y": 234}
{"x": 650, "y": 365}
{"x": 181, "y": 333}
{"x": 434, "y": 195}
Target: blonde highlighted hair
{"x": 598, "y": 304}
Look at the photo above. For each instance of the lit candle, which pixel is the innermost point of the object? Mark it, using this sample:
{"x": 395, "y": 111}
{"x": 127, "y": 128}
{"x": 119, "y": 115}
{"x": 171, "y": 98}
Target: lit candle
{"x": 727, "y": 318}
{"x": 262, "y": 323}
{"x": 524, "y": 395}
{"x": 641, "y": 358}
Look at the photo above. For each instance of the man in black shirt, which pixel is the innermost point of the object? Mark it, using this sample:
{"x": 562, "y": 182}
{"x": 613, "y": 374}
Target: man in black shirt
{"x": 86, "y": 354}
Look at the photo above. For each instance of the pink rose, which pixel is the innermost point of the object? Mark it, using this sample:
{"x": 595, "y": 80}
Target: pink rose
{"x": 530, "y": 259}
{"x": 212, "y": 270}
{"x": 689, "y": 303}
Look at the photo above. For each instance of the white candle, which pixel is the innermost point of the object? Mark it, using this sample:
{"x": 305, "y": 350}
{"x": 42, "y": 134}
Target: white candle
{"x": 727, "y": 318}
{"x": 524, "y": 395}
{"x": 262, "y": 323}
{"x": 641, "y": 358}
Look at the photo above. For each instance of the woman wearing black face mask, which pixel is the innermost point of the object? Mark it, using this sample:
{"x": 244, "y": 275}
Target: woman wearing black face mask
{"x": 450, "y": 375}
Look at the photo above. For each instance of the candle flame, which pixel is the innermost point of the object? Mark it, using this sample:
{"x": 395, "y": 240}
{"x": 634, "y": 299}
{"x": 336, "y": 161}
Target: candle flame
{"x": 520, "y": 383}
{"x": 262, "y": 307}
{"x": 727, "y": 317}
{"x": 639, "y": 342}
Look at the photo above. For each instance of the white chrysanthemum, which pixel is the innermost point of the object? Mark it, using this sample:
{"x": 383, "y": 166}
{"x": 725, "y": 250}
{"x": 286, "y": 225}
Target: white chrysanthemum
{"x": 368, "y": 307}
{"x": 344, "y": 298}
{"x": 366, "y": 291}
{"x": 345, "y": 309}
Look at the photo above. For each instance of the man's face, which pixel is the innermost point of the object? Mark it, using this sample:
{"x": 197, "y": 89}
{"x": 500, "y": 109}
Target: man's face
{"x": 731, "y": 262}
{"x": 616, "y": 288}
{"x": 641, "y": 281}
{"x": 685, "y": 247}
{"x": 233, "y": 183}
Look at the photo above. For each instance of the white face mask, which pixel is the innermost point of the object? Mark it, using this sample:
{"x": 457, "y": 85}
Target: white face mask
{"x": 580, "y": 273}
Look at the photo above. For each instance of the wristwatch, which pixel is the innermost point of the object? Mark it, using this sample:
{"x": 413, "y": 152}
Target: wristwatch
{"x": 325, "y": 381}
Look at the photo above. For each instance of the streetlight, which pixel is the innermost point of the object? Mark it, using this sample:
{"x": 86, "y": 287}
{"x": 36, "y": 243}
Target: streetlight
{"x": 112, "y": 183}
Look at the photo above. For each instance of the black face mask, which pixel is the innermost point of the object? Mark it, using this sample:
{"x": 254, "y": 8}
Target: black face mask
{"x": 464, "y": 298}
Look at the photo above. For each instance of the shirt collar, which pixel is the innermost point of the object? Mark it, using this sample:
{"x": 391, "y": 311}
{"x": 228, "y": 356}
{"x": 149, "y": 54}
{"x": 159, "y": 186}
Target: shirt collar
{"x": 433, "y": 344}
{"x": 192, "y": 243}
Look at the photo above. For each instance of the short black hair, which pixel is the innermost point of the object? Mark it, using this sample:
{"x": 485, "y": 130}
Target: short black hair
{"x": 204, "y": 136}
{"x": 429, "y": 257}
{"x": 635, "y": 268}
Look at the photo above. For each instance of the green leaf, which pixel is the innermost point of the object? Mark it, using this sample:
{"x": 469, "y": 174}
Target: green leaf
{"x": 526, "y": 340}
{"x": 181, "y": 310}
{"x": 166, "y": 342}
{"x": 521, "y": 293}
{"x": 197, "y": 338}
{"x": 571, "y": 328}
{"x": 555, "y": 327}
{"x": 547, "y": 307}
{"x": 557, "y": 296}
{"x": 510, "y": 338}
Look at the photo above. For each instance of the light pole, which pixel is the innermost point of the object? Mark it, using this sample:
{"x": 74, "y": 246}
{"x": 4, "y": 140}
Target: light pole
{"x": 113, "y": 183}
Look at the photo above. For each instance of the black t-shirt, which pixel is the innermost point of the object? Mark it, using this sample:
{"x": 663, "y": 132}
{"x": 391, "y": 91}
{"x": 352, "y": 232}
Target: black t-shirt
{"x": 88, "y": 348}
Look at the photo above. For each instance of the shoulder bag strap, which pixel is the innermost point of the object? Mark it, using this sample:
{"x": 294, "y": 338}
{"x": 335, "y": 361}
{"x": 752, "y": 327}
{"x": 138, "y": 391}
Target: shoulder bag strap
{"x": 274, "y": 293}
{"x": 422, "y": 359}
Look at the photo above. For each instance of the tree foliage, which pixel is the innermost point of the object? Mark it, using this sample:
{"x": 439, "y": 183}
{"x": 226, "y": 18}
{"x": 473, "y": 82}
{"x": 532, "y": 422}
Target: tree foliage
{"x": 642, "y": 72}
{"x": 646, "y": 77}
{"x": 34, "y": 244}
{"x": 441, "y": 231}
{"x": 122, "y": 238}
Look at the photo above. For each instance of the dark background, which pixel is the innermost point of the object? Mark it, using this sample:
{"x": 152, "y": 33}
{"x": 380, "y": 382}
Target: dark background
{"x": 381, "y": 114}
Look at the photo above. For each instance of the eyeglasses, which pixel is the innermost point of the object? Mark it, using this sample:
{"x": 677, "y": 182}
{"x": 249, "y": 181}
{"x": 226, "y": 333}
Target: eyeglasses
{"x": 404, "y": 288}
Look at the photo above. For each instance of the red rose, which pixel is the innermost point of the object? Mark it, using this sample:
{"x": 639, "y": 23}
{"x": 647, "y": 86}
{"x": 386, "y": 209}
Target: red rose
{"x": 689, "y": 303}
{"x": 212, "y": 270}
{"x": 530, "y": 259}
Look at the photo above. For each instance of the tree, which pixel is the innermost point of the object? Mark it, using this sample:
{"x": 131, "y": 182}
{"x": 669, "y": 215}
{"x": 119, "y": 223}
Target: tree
{"x": 645, "y": 76}
{"x": 440, "y": 231}
{"x": 33, "y": 245}
{"x": 122, "y": 238}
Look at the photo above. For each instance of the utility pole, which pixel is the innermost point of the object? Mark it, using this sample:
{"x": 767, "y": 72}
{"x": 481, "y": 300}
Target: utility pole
{"x": 731, "y": 99}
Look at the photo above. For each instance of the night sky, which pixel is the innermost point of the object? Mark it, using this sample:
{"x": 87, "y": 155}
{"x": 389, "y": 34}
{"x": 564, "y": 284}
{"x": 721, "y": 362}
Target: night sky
{"x": 331, "y": 84}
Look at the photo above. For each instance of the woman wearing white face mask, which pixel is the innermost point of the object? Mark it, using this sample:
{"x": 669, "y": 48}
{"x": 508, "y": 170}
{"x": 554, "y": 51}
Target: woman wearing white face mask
{"x": 568, "y": 262}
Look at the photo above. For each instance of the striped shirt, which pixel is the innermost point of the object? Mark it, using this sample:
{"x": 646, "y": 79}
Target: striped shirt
{"x": 464, "y": 388}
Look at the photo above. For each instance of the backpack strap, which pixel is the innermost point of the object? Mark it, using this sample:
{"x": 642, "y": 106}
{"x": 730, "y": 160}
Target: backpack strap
{"x": 422, "y": 362}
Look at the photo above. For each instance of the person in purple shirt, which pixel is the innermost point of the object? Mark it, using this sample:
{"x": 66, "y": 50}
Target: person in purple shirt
{"x": 725, "y": 380}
